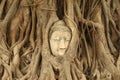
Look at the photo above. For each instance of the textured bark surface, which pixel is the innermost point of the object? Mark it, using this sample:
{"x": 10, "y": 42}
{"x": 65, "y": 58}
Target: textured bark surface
{"x": 93, "y": 52}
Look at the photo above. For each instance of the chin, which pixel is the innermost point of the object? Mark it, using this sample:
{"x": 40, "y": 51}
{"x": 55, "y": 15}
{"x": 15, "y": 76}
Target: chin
{"x": 61, "y": 54}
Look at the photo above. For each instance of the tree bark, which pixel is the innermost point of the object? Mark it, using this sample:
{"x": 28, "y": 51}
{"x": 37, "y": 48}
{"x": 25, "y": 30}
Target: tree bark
{"x": 93, "y": 51}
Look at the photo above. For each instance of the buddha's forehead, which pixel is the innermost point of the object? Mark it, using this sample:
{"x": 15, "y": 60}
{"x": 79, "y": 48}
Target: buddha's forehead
{"x": 60, "y": 27}
{"x": 61, "y": 33}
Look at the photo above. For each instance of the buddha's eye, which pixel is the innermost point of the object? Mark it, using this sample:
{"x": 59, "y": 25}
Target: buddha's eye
{"x": 67, "y": 39}
{"x": 56, "y": 39}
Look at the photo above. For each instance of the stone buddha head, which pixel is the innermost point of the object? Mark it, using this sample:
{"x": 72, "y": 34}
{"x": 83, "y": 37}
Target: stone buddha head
{"x": 59, "y": 38}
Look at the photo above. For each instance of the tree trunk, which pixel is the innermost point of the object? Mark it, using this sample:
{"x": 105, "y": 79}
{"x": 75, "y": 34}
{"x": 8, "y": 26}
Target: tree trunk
{"x": 93, "y": 50}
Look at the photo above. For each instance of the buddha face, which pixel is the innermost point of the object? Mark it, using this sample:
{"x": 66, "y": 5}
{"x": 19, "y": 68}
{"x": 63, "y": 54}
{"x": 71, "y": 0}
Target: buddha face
{"x": 59, "y": 42}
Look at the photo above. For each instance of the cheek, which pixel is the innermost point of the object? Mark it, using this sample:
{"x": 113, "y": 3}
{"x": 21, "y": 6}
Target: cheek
{"x": 53, "y": 45}
{"x": 67, "y": 43}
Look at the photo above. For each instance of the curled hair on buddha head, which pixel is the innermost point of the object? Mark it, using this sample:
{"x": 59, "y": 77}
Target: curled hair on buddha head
{"x": 59, "y": 26}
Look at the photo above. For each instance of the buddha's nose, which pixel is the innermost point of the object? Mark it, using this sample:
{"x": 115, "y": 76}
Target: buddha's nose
{"x": 62, "y": 44}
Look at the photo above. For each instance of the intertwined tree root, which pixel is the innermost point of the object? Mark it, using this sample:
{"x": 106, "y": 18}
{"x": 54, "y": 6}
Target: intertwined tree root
{"x": 93, "y": 53}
